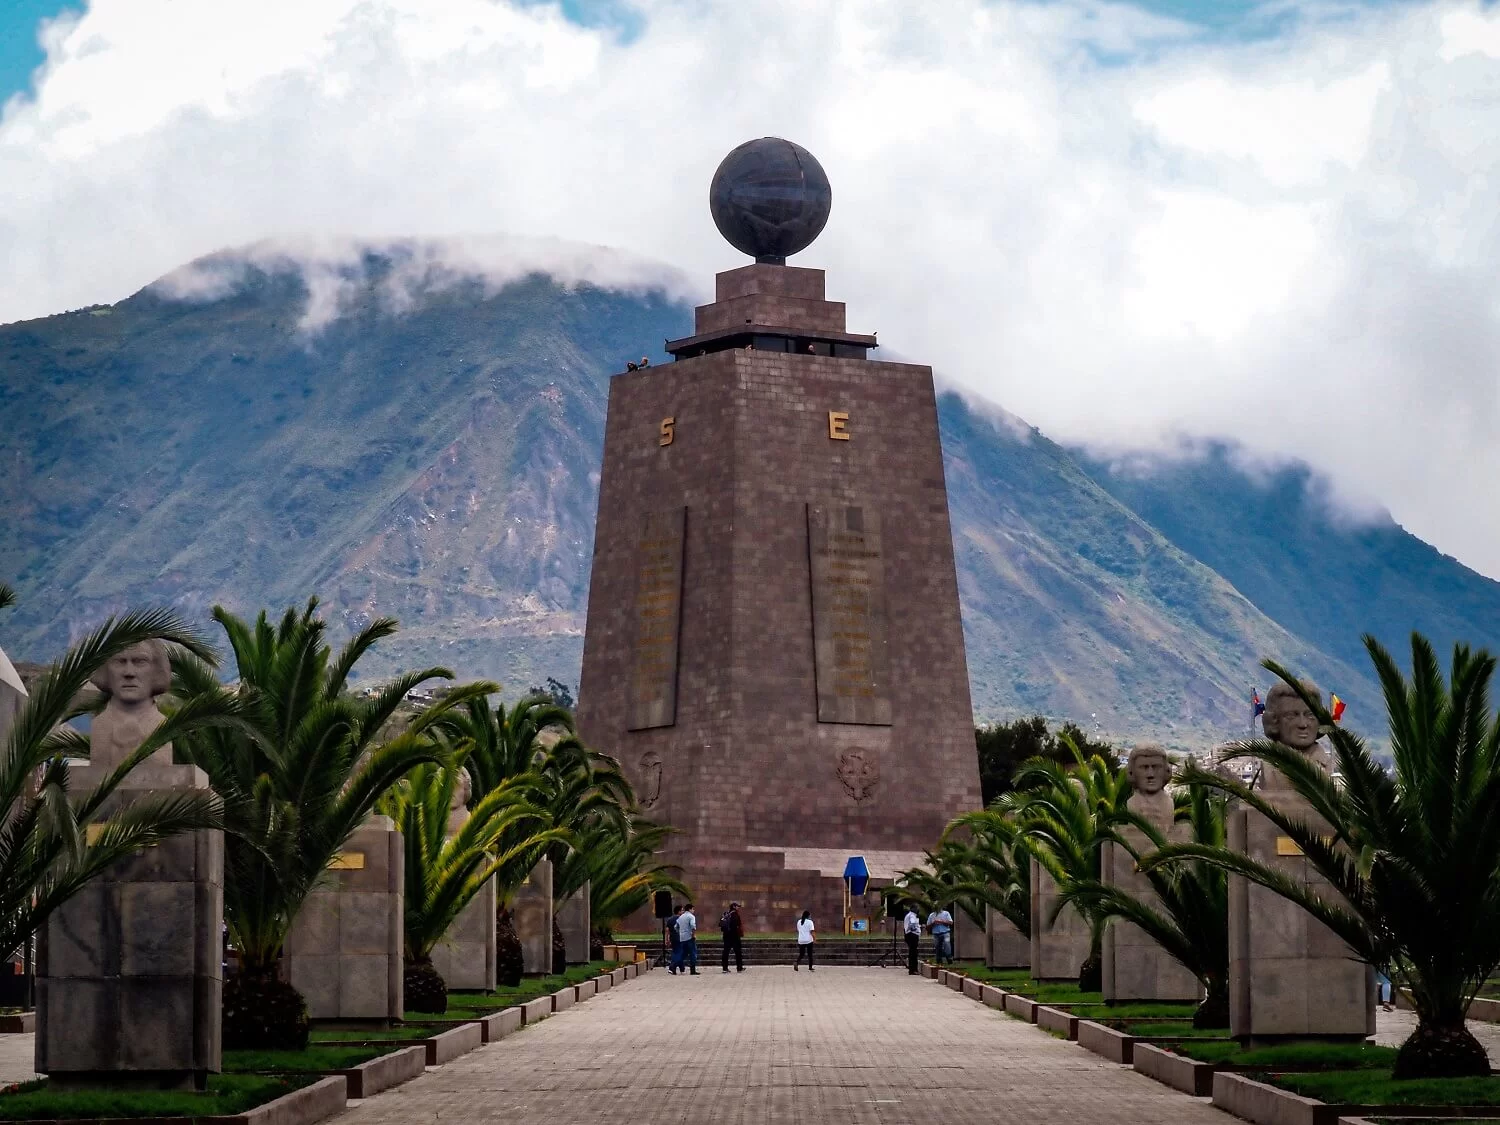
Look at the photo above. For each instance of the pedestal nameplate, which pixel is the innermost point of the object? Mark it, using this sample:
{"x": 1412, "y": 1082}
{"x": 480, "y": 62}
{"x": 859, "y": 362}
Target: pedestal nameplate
{"x": 658, "y": 612}
{"x": 849, "y": 615}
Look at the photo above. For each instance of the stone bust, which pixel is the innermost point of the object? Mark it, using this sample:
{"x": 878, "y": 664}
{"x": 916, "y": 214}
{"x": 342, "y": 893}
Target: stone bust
{"x": 1149, "y": 771}
{"x": 1291, "y": 722}
{"x": 458, "y": 804}
{"x": 132, "y": 679}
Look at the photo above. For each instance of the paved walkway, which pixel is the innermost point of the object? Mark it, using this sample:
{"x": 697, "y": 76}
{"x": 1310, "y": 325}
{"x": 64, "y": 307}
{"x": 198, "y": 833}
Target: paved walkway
{"x": 837, "y": 1047}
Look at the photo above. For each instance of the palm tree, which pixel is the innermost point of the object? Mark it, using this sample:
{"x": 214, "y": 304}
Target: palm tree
{"x": 303, "y": 776}
{"x": 994, "y": 866}
{"x": 1413, "y": 855}
{"x": 1189, "y": 916}
{"x": 623, "y": 873}
{"x": 1065, "y": 814}
{"x": 502, "y": 838}
{"x": 501, "y": 743}
{"x": 54, "y": 840}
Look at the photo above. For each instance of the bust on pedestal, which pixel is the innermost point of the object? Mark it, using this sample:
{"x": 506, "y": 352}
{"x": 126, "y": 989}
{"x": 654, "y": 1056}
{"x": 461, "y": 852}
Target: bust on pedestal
{"x": 1289, "y": 975}
{"x": 129, "y": 979}
{"x": 1135, "y": 967}
{"x": 465, "y": 957}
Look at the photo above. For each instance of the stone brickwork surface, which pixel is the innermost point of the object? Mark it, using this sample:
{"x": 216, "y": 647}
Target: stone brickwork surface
{"x": 744, "y": 767}
{"x": 774, "y": 1047}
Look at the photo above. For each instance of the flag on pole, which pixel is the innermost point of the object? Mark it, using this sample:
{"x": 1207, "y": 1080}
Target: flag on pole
{"x": 1335, "y": 708}
{"x": 1257, "y": 708}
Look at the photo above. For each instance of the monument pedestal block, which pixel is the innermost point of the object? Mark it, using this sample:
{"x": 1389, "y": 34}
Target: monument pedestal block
{"x": 1005, "y": 946}
{"x": 1058, "y": 951}
{"x": 466, "y": 956}
{"x": 128, "y": 971}
{"x": 573, "y": 918}
{"x": 531, "y": 913}
{"x": 1289, "y": 975}
{"x": 344, "y": 951}
{"x": 1134, "y": 966}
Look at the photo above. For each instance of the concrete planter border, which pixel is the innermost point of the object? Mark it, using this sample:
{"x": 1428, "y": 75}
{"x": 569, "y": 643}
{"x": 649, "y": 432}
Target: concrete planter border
{"x": 446, "y": 1046}
{"x": 1187, "y": 1075}
{"x": 384, "y": 1072}
{"x": 1265, "y": 1104}
{"x": 1058, "y": 1020}
{"x": 563, "y": 999}
{"x": 1021, "y": 1007}
{"x": 535, "y": 1010}
{"x": 604, "y": 982}
{"x": 504, "y": 1022}
{"x": 18, "y": 1024}
{"x": 1106, "y": 1042}
{"x": 584, "y": 991}
{"x": 322, "y": 1099}
{"x": 992, "y": 997}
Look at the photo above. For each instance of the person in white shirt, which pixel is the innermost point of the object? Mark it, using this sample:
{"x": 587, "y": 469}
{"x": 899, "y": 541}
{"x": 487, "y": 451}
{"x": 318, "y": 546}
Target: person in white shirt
{"x": 805, "y": 930}
{"x": 687, "y": 947}
{"x": 912, "y": 927}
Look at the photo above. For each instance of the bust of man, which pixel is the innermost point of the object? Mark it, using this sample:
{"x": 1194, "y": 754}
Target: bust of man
{"x": 458, "y": 804}
{"x": 1149, "y": 771}
{"x": 132, "y": 679}
{"x": 1291, "y": 722}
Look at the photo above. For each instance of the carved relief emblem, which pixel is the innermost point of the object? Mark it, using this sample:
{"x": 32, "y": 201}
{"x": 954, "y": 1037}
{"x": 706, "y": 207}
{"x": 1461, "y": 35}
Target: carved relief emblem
{"x": 650, "y": 778}
{"x": 859, "y": 772}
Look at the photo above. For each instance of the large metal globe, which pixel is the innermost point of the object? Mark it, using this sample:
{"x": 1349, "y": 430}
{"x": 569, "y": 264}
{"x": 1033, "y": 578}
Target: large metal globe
{"x": 770, "y": 198}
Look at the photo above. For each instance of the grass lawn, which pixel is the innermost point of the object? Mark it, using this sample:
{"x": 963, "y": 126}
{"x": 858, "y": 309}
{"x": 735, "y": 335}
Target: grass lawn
{"x": 1377, "y": 1087}
{"x": 226, "y": 1094}
{"x": 484, "y": 1003}
{"x": 1351, "y": 1056}
{"x": 1182, "y": 1029}
{"x": 314, "y": 1060}
{"x": 358, "y": 1034}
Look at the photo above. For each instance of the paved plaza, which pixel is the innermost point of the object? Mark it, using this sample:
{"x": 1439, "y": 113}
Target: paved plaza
{"x": 776, "y": 1046}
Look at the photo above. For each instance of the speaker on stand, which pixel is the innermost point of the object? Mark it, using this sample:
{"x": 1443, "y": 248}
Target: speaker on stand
{"x": 662, "y": 907}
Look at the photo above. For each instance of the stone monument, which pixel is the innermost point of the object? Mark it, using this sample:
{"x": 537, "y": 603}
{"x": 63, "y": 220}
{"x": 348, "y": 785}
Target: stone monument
{"x": 466, "y": 958}
{"x": 774, "y": 651}
{"x": 1289, "y": 975}
{"x": 344, "y": 950}
{"x": 1134, "y": 966}
{"x": 1058, "y": 949}
{"x": 128, "y": 971}
{"x": 12, "y": 696}
{"x": 573, "y": 919}
{"x": 531, "y": 913}
{"x": 1005, "y": 946}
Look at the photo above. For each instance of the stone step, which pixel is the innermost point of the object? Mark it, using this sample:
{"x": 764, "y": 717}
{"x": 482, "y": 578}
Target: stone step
{"x": 830, "y": 951}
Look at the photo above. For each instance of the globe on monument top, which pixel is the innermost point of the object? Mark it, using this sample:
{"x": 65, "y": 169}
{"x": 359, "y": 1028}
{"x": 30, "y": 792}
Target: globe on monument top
{"x": 770, "y": 198}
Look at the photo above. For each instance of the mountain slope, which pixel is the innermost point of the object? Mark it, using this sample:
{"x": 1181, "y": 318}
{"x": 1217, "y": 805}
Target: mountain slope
{"x": 436, "y": 459}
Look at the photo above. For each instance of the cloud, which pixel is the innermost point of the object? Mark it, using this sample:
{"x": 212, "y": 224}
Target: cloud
{"x": 1120, "y": 228}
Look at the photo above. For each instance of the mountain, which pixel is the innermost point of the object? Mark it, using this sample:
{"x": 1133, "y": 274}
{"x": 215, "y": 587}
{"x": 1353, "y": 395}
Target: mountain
{"x": 429, "y": 449}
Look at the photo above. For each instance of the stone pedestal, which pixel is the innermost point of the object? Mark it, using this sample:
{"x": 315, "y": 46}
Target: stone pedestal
{"x": 466, "y": 955}
{"x": 1289, "y": 975}
{"x": 969, "y": 941}
{"x": 344, "y": 949}
{"x": 128, "y": 971}
{"x": 1135, "y": 967}
{"x": 1058, "y": 951}
{"x": 1005, "y": 946}
{"x": 575, "y": 922}
{"x": 531, "y": 911}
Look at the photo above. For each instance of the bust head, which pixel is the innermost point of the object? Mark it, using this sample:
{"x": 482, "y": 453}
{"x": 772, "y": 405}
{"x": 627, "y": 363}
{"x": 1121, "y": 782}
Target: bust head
{"x": 458, "y": 803}
{"x": 1149, "y": 769}
{"x": 1288, "y": 720}
{"x": 136, "y": 675}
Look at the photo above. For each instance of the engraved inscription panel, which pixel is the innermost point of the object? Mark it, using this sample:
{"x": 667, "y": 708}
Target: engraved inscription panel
{"x": 849, "y": 615}
{"x": 658, "y": 611}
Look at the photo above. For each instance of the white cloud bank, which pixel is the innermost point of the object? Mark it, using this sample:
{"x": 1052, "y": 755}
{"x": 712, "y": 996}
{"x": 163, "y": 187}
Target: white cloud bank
{"x": 1119, "y": 230}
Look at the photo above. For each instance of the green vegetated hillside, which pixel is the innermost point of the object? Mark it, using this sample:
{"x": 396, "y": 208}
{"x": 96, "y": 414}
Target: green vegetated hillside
{"x": 439, "y": 464}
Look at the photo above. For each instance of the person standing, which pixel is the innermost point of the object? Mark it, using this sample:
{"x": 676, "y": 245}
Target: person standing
{"x": 687, "y": 933}
{"x": 912, "y": 927}
{"x": 940, "y": 925}
{"x": 676, "y": 940}
{"x": 805, "y": 930}
{"x": 732, "y": 926}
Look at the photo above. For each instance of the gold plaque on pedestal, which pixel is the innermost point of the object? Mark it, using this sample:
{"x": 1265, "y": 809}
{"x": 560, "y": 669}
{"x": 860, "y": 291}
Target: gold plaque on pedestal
{"x": 347, "y": 861}
{"x": 1285, "y": 845}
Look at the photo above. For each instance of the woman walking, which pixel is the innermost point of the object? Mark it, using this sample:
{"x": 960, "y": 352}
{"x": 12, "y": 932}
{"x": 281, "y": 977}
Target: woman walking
{"x": 805, "y": 930}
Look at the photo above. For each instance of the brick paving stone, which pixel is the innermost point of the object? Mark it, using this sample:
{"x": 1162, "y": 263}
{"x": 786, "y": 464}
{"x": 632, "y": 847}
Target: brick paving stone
{"x": 772, "y": 1046}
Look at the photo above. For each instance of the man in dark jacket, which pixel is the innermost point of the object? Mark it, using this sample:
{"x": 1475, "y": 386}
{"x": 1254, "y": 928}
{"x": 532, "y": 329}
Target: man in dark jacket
{"x": 732, "y": 926}
{"x": 676, "y": 940}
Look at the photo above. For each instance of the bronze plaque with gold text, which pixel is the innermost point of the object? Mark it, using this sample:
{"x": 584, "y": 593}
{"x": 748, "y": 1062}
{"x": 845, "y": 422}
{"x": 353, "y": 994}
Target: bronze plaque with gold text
{"x": 658, "y": 612}
{"x": 849, "y": 615}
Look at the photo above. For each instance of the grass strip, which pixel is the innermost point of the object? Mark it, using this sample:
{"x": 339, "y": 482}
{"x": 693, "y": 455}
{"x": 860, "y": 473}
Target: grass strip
{"x": 314, "y": 1060}
{"x": 1377, "y": 1087}
{"x": 226, "y": 1094}
{"x": 359, "y": 1034}
{"x": 1293, "y": 1056}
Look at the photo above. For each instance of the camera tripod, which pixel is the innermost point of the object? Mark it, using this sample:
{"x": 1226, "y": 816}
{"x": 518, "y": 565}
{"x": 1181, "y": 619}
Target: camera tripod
{"x": 892, "y": 958}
